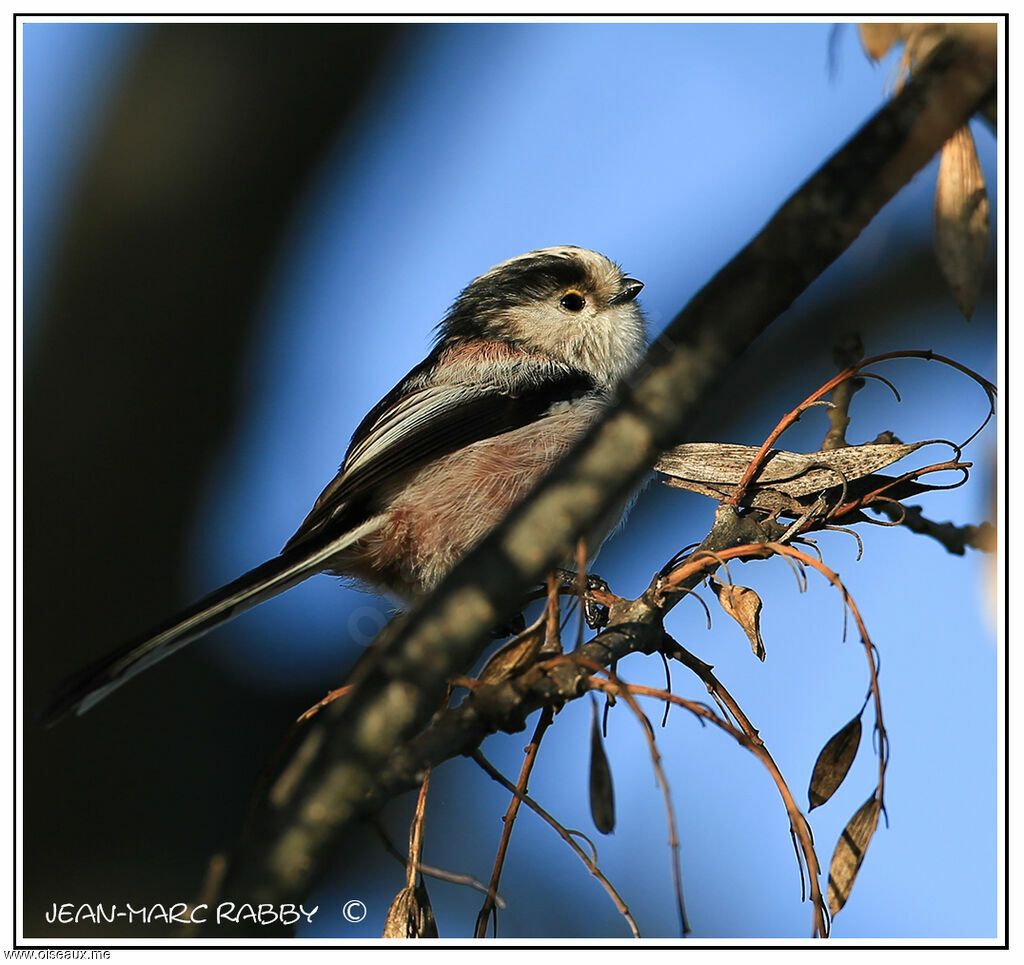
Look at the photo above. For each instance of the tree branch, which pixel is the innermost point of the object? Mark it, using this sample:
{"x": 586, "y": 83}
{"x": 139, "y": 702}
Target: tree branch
{"x": 955, "y": 538}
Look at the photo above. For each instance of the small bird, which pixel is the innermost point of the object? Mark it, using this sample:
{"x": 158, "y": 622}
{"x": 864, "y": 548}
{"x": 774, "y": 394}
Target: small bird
{"x": 524, "y": 361}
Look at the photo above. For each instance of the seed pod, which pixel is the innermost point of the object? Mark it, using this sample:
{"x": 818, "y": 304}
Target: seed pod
{"x": 410, "y": 915}
{"x": 834, "y": 762}
{"x": 849, "y": 853}
{"x": 602, "y": 794}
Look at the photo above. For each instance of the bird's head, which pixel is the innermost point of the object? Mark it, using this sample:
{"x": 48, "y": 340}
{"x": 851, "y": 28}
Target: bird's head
{"x": 569, "y": 303}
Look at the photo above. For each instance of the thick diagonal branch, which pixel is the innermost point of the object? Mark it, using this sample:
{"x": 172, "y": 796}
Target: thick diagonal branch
{"x": 402, "y": 678}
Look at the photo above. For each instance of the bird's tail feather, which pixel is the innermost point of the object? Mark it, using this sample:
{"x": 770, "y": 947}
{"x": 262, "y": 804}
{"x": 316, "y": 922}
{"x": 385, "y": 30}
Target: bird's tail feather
{"x": 91, "y": 685}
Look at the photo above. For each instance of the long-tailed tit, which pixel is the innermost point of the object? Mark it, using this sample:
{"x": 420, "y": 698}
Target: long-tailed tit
{"x": 524, "y": 361}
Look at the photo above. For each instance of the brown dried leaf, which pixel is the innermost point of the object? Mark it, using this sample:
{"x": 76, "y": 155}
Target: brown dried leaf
{"x": 795, "y": 473}
{"x": 744, "y": 606}
{"x": 834, "y": 762}
{"x": 962, "y": 221}
{"x": 602, "y": 794}
{"x": 922, "y": 38}
{"x": 714, "y": 468}
{"x": 849, "y": 853}
{"x": 410, "y": 915}
{"x": 877, "y": 38}
{"x": 516, "y": 655}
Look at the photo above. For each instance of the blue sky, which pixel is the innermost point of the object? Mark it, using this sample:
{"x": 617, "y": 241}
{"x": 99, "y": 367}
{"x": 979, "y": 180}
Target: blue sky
{"x": 665, "y": 146}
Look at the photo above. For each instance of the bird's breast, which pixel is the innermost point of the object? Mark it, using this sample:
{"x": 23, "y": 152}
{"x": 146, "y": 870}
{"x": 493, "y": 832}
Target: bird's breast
{"x": 449, "y": 504}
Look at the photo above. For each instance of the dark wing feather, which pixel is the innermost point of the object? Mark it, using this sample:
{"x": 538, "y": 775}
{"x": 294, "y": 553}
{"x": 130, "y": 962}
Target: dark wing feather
{"x": 425, "y": 424}
{"x": 413, "y": 378}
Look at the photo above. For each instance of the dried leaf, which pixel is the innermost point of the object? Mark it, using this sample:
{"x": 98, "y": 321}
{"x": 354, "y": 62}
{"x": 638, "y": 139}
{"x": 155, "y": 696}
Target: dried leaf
{"x": 849, "y": 853}
{"x": 877, "y": 38}
{"x": 962, "y": 221}
{"x": 410, "y": 915}
{"x": 602, "y": 794}
{"x": 834, "y": 762}
{"x": 796, "y": 473}
{"x": 516, "y": 655}
{"x": 714, "y": 468}
{"x": 922, "y": 38}
{"x": 919, "y": 40}
{"x": 744, "y": 606}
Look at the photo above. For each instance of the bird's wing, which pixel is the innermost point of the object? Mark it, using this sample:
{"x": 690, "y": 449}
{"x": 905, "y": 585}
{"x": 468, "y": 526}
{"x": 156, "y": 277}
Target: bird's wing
{"x": 415, "y": 423}
{"x": 425, "y": 423}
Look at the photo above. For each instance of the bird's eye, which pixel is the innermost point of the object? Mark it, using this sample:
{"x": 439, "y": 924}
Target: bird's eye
{"x": 573, "y": 302}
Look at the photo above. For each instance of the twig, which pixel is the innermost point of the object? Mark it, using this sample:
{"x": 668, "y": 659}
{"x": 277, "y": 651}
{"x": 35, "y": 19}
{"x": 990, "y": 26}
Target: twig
{"x": 652, "y": 745}
{"x": 275, "y": 782}
{"x": 758, "y": 462}
{"x": 552, "y": 629}
{"x": 321, "y": 704}
{"x": 635, "y": 626}
{"x": 867, "y": 499}
{"x": 955, "y": 538}
{"x": 549, "y": 683}
{"x": 416, "y": 833}
{"x": 694, "y": 566}
{"x": 701, "y": 562}
{"x": 564, "y": 833}
{"x": 799, "y": 827}
{"x": 848, "y": 353}
{"x": 546, "y": 717}
{"x": 441, "y": 874}
{"x": 722, "y": 696}
{"x": 581, "y": 587}
{"x": 869, "y": 650}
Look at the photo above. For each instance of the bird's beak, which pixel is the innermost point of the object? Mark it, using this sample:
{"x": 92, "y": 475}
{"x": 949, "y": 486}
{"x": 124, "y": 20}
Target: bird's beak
{"x": 630, "y": 289}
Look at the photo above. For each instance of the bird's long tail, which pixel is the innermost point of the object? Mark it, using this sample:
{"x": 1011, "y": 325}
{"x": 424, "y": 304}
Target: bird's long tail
{"x": 89, "y": 686}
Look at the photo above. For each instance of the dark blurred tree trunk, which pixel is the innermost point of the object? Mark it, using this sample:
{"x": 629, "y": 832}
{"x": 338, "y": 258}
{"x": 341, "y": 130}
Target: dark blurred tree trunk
{"x": 131, "y": 383}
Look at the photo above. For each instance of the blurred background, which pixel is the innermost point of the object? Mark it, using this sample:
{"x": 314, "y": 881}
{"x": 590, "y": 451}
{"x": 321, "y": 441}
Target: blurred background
{"x": 238, "y": 237}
